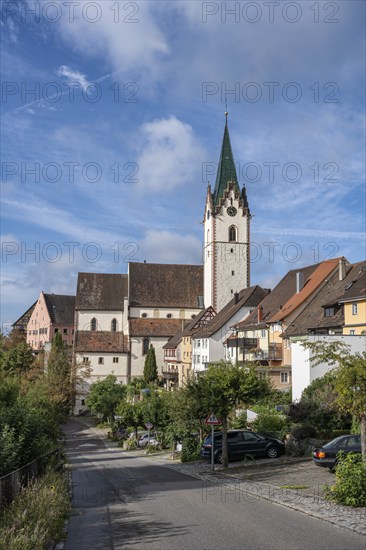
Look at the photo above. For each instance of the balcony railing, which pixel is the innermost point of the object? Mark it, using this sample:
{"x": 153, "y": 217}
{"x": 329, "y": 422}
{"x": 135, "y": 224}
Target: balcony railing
{"x": 246, "y": 343}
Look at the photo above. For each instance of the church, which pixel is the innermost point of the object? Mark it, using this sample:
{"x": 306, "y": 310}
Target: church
{"x": 119, "y": 316}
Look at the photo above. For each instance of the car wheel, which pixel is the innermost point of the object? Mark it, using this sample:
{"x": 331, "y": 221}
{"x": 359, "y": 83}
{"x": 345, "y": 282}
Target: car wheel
{"x": 272, "y": 452}
{"x": 219, "y": 458}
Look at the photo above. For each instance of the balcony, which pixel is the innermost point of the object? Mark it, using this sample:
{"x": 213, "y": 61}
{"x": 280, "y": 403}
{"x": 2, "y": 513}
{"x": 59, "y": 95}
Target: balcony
{"x": 275, "y": 352}
{"x": 170, "y": 373}
{"x": 246, "y": 343}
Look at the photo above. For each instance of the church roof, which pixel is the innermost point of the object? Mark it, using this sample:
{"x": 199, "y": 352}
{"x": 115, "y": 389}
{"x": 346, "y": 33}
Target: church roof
{"x": 101, "y": 291}
{"x": 100, "y": 341}
{"x": 165, "y": 285}
{"x": 155, "y": 327}
{"x": 226, "y": 171}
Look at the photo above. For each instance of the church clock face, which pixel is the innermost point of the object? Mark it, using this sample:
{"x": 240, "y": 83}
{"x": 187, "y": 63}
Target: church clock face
{"x": 231, "y": 211}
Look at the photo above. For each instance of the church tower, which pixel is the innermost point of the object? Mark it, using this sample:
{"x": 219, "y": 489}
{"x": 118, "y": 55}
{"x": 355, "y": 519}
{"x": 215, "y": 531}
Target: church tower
{"x": 226, "y": 233}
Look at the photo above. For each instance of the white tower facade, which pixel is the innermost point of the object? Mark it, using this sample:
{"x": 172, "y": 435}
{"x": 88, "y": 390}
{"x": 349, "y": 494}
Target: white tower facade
{"x": 226, "y": 234}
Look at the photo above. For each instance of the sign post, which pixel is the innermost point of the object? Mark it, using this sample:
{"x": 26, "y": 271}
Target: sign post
{"x": 214, "y": 422}
{"x": 148, "y": 426}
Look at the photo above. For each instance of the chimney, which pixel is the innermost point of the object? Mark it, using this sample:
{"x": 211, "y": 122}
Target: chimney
{"x": 260, "y": 314}
{"x": 236, "y": 297}
{"x": 299, "y": 281}
{"x": 341, "y": 269}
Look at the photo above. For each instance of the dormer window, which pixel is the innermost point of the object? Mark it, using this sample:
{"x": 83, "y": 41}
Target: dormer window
{"x": 329, "y": 311}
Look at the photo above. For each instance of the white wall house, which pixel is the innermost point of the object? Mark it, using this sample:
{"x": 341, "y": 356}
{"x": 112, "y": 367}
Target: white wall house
{"x": 303, "y": 369}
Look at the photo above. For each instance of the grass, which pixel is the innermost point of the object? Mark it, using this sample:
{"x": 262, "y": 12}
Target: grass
{"x": 36, "y": 517}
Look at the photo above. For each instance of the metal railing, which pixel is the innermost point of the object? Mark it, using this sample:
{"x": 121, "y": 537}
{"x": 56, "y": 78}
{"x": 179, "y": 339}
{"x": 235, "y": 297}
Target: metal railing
{"x": 12, "y": 483}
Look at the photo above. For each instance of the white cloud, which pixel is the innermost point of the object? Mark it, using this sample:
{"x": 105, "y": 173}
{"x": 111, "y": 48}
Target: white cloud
{"x": 166, "y": 247}
{"x": 126, "y": 35}
{"x": 171, "y": 155}
{"x": 73, "y": 76}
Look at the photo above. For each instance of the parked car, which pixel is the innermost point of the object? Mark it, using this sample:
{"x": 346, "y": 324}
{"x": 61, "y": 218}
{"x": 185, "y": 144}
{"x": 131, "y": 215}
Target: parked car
{"x": 327, "y": 454}
{"x": 143, "y": 440}
{"x": 242, "y": 443}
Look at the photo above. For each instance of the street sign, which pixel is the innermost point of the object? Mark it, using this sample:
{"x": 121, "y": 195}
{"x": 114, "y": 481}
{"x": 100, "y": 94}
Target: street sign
{"x": 148, "y": 425}
{"x": 211, "y": 419}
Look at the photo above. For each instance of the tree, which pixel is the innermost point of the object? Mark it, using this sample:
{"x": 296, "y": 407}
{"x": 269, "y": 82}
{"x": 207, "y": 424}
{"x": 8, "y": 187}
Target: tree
{"x": 349, "y": 379}
{"x": 131, "y": 414}
{"x": 150, "y": 367}
{"x": 104, "y": 397}
{"x": 223, "y": 387}
{"x": 17, "y": 359}
{"x": 59, "y": 373}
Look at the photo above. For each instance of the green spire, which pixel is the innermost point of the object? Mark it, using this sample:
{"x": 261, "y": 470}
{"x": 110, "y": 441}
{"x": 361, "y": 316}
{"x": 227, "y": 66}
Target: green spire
{"x": 226, "y": 171}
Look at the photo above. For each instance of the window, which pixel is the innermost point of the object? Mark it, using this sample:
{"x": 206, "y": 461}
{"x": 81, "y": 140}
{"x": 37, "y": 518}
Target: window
{"x": 262, "y": 375}
{"x": 233, "y": 273}
{"x": 115, "y": 359}
{"x": 231, "y": 250}
{"x": 232, "y": 234}
{"x": 354, "y": 309}
{"x": 56, "y": 330}
{"x": 328, "y": 312}
{"x": 65, "y": 330}
{"x": 114, "y": 325}
{"x": 82, "y": 402}
{"x": 145, "y": 346}
{"x": 352, "y": 332}
{"x": 100, "y": 360}
{"x": 144, "y": 315}
{"x": 263, "y": 333}
{"x": 169, "y": 315}
{"x": 85, "y": 360}
{"x": 284, "y": 377}
{"x": 93, "y": 324}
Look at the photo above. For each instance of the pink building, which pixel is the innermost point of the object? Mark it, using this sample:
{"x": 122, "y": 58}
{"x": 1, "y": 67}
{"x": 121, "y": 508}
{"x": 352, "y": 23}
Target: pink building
{"x": 52, "y": 313}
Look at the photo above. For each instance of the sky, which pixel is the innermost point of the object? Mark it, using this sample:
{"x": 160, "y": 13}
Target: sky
{"x": 112, "y": 124}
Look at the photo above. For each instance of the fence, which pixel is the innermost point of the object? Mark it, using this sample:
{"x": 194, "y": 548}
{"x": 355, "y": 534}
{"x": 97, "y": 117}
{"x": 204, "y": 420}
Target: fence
{"x": 11, "y": 484}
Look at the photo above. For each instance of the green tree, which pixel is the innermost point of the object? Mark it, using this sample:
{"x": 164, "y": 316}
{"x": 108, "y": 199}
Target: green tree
{"x": 349, "y": 379}
{"x": 131, "y": 414}
{"x": 104, "y": 397}
{"x": 150, "y": 367}
{"x": 18, "y": 359}
{"x": 223, "y": 387}
{"x": 59, "y": 373}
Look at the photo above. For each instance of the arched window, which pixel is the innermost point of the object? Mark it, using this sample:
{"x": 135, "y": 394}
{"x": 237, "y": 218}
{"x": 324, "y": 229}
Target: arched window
{"x": 232, "y": 234}
{"x": 145, "y": 346}
{"x": 114, "y": 325}
{"x": 93, "y": 324}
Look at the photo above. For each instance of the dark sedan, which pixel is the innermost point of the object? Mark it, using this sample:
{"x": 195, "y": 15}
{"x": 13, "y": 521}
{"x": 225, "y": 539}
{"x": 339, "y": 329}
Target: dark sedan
{"x": 327, "y": 455}
{"x": 242, "y": 443}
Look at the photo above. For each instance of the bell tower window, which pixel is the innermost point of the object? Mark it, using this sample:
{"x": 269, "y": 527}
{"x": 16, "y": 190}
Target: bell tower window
{"x": 232, "y": 234}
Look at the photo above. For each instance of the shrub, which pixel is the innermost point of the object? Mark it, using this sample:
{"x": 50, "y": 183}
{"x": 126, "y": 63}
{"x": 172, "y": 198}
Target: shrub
{"x": 303, "y": 432}
{"x": 350, "y": 486}
{"x": 271, "y": 423}
{"x": 191, "y": 450}
{"x": 36, "y": 516}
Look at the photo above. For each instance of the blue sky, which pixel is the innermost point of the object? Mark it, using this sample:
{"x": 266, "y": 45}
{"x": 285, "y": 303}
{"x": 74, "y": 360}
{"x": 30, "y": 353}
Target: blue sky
{"x": 113, "y": 116}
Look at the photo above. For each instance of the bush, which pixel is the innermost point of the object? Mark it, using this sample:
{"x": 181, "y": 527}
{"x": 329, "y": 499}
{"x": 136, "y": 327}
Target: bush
{"x": 35, "y": 519}
{"x": 191, "y": 450}
{"x": 305, "y": 431}
{"x": 270, "y": 423}
{"x": 350, "y": 486}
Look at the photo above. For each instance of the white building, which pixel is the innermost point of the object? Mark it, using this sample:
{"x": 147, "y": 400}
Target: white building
{"x": 303, "y": 369}
{"x": 208, "y": 343}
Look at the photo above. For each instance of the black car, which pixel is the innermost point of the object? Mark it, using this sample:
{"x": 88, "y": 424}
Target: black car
{"x": 327, "y": 455}
{"x": 242, "y": 443}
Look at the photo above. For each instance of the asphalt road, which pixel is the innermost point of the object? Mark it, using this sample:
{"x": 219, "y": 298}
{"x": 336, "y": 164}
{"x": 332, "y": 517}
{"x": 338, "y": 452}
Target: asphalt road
{"x": 130, "y": 502}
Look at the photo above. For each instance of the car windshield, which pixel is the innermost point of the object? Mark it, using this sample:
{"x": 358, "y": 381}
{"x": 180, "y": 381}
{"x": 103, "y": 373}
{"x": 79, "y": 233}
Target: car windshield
{"x": 335, "y": 442}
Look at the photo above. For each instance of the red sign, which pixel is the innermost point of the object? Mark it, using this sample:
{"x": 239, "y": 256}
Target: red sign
{"x": 212, "y": 420}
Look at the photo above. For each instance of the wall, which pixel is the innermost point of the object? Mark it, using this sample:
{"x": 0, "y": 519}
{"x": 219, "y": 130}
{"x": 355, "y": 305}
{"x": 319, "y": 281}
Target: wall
{"x": 104, "y": 319}
{"x": 138, "y": 360}
{"x": 303, "y": 373}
